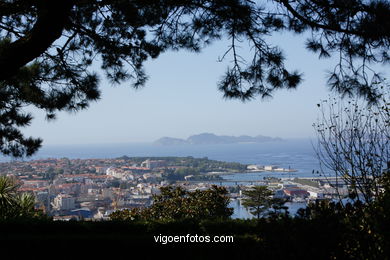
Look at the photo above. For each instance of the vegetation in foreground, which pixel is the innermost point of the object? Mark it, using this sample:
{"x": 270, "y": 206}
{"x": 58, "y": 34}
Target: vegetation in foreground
{"x": 323, "y": 230}
{"x": 16, "y": 205}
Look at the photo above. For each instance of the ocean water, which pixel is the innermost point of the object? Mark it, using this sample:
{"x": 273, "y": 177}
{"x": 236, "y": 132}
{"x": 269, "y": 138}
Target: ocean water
{"x": 241, "y": 212}
{"x": 295, "y": 153}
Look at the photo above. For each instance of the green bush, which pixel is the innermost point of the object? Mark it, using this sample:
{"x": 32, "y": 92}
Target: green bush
{"x": 175, "y": 203}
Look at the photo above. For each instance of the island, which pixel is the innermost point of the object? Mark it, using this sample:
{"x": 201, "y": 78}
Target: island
{"x": 210, "y": 138}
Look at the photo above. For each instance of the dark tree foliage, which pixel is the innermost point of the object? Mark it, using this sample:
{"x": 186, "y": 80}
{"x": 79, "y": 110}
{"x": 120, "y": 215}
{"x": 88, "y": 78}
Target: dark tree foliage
{"x": 175, "y": 203}
{"x": 259, "y": 200}
{"x": 47, "y": 48}
{"x": 16, "y": 205}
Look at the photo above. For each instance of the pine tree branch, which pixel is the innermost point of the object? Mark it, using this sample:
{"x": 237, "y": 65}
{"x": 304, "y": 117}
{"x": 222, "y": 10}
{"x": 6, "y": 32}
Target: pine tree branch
{"x": 52, "y": 18}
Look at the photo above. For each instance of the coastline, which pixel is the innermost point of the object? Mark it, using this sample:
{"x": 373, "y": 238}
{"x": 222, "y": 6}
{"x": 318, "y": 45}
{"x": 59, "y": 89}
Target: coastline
{"x": 251, "y": 171}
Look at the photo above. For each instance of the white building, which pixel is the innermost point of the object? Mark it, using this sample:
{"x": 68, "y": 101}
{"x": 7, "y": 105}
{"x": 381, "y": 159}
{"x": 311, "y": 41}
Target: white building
{"x": 99, "y": 214}
{"x": 188, "y": 177}
{"x": 113, "y": 172}
{"x": 315, "y": 194}
{"x": 64, "y": 202}
{"x": 270, "y": 167}
{"x": 119, "y": 174}
{"x": 254, "y": 167}
{"x": 150, "y": 164}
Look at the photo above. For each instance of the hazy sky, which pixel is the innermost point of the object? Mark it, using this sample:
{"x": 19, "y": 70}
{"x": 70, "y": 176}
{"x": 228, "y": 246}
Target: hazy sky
{"x": 181, "y": 99}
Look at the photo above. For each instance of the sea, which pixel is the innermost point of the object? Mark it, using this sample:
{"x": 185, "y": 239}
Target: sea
{"x": 298, "y": 154}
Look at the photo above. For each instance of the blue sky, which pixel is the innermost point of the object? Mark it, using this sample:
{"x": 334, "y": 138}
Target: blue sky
{"x": 181, "y": 99}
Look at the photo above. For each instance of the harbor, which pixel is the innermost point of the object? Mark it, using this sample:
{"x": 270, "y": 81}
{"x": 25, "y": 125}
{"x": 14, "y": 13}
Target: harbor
{"x": 295, "y": 189}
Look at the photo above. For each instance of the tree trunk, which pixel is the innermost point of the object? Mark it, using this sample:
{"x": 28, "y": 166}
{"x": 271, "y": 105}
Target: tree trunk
{"x": 51, "y": 21}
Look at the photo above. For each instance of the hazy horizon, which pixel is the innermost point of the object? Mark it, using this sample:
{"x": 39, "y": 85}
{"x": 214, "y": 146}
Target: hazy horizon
{"x": 150, "y": 142}
{"x": 252, "y": 153}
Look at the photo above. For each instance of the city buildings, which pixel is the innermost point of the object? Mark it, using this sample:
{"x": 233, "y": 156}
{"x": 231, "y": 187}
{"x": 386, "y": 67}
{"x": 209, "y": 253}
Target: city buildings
{"x": 64, "y": 202}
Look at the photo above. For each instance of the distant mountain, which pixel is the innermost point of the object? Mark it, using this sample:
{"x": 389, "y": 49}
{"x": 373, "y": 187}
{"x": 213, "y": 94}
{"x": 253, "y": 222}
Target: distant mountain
{"x": 209, "y": 138}
{"x": 170, "y": 141}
